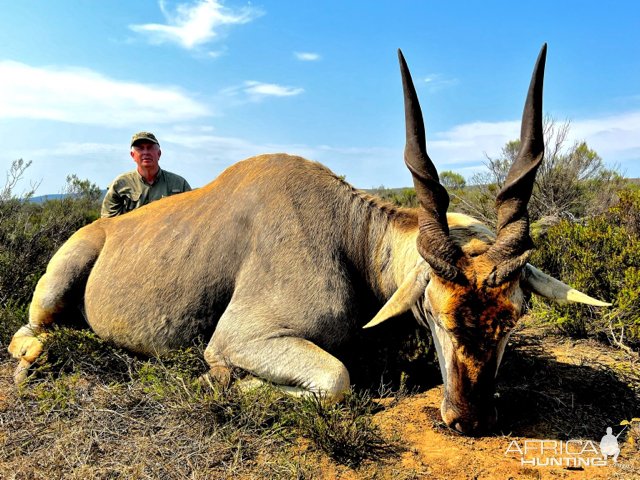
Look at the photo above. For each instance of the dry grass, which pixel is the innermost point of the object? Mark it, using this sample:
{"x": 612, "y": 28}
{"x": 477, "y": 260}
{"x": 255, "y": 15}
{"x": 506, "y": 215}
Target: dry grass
{"x": 93, "y": 411}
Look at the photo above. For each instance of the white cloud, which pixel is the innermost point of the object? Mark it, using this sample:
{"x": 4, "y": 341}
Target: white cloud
{"x": 196, "y": 152}
{"x": 307, "y": 56}
{"x": 468, "y": 143}
{"x": 254, "y": 91}
{"x": 216, "y": 53}
{"x": 616, "y": 138}
{"x": 210, "y": 154}
{"x": 436, "y": 82}
{"x": 259, "y": 90}
{"x": 82, "y": 96}
{"x": 67, "y": 149}
{"x": 193, "y": 24}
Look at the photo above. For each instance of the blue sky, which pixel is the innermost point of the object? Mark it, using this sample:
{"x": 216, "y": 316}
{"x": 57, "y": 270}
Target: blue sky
{"x": 220, "y": 81}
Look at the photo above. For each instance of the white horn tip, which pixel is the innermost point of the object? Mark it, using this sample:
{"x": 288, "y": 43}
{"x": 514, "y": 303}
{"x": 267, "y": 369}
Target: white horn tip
{"x": 579, "y": 297}
{"x": 376, "y": 321}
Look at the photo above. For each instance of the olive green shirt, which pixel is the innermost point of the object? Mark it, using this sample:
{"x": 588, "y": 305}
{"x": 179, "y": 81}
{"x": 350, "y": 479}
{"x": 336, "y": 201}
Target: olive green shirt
{"x": 130, "y": 190}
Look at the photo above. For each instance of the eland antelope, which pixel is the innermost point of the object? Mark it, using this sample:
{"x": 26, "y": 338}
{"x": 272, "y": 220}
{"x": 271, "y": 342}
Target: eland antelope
{"x": 279, "y": 261}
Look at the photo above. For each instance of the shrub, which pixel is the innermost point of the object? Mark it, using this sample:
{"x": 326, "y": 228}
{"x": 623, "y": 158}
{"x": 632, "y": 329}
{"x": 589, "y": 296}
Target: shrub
{"x": 402, "y": 197}
{"x": 73, "y": 351}
{"x": 31, "y": 232}
{"x": 601, "y": 257}
{"x": 12, "y": 317}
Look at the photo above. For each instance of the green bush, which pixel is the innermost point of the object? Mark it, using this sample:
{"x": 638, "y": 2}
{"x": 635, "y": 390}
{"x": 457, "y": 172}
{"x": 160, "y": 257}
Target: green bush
{"x": 401, "y": 197}
{"x": 31, "y": 232}
{"x": 12, "y": 317}
{"x": 70, "y": 351}
{"x": 600, "y": 257}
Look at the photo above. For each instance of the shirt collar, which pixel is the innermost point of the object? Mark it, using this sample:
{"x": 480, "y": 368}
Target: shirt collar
{"x": 144, "y": 180}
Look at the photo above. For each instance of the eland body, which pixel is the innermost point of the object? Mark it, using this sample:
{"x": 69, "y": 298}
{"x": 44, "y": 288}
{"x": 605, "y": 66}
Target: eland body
{"x": 279, "y": 262}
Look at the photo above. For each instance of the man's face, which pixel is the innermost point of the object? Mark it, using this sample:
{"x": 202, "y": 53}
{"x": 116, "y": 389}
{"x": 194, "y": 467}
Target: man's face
{"x": 146, "y": 155}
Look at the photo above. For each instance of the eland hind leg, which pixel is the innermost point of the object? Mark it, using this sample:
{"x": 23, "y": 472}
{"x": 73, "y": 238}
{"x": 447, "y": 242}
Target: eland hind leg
{"x": 59, "y": 290}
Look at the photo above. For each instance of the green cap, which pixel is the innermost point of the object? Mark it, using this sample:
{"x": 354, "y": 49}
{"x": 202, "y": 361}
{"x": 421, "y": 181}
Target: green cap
{"x": 146, "y": 136}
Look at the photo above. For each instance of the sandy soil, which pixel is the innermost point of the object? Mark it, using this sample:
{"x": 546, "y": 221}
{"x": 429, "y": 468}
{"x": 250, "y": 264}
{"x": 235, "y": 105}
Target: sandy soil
{"x": 552, "y": 389}
{"x": 434, "y": 452}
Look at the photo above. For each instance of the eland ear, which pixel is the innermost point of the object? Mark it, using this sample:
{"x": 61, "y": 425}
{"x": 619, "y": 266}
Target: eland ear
{"x": 405, "y": 297}
{"x": 548, "y": 287}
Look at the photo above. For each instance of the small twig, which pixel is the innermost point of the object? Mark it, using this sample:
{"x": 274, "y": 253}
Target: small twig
{"x": 122, "y": 415}
{"x": 618, "y": 342}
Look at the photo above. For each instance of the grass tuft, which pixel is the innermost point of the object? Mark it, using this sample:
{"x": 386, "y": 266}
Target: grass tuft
{"x": 68, "y": 351}
{"x": 345, "y": 431}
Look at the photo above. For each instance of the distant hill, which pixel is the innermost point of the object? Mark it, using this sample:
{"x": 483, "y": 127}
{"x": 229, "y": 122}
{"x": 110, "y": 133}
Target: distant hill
{"x": 44, "y": 198}
{"x": 54, "y": 196}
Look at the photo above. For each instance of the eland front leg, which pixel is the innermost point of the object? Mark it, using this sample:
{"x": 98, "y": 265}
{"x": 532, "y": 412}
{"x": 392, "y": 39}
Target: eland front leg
{"x": 294, "y": 365}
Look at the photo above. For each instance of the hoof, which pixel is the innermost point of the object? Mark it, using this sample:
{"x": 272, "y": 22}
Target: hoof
{"x": 21, "y": 372}
{"x": 220, "y": 376}
{"x": 25, "y": 345}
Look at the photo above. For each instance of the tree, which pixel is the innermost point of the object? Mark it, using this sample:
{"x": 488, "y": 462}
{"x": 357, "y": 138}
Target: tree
{"x": 82, "y": 189}
{"x": 572, "y": 181}
{"x": 452, "y": 181}
{"x": 14, "y": 175}
{"x": 405, "y": 197}
{"x": 455, "y": 184}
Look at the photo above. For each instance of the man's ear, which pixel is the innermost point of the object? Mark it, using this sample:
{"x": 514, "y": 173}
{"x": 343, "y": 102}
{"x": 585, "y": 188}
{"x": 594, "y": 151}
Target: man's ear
{"x": 131, "y": 153}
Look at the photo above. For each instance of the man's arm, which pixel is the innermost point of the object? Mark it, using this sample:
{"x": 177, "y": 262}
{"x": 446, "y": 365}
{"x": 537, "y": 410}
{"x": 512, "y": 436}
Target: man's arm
{"x": 113, "y": 203}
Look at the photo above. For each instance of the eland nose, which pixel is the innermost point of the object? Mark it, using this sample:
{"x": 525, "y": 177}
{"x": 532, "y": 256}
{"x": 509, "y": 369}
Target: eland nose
{"x": 470, "y": 423}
